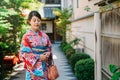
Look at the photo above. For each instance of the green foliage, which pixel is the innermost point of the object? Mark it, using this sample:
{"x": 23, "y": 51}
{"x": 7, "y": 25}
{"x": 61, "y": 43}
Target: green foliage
{"x": 66, "y": 47}
{"x": 3, "y": 27}
{"x": 63, "y": 20}
{"x": 69, "y": 52}
{"x": 75, "y": 41}
{"x": 63, "y": 44}
{"x": 3, "y": 46}
{"x": 18, "y": 5}
{"x": 87, "y": 8}
{"x": 10, "y": 25}
{"x": 115, "y": 70}
{"x": 13, "y": 4}
{"x": 11, "y": 22}
{"x": 84, "y": 69}
{"x": 22, "y": 31}
{"x": 76, "y": 57}
{"x": 106, "y": 8}
{"x": 12, "y": 37}
{"x": 4, "y": 23}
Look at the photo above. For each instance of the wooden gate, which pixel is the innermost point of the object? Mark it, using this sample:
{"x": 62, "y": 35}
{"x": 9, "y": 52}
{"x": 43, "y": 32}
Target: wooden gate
{"x": 110, "y": 41}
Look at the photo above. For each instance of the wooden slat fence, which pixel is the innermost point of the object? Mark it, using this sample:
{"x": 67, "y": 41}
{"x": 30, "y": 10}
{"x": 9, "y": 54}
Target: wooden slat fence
{"x": 110, "y": 40}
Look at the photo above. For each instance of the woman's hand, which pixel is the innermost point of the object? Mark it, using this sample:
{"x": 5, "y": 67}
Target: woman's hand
{"x": 45, "y": 56}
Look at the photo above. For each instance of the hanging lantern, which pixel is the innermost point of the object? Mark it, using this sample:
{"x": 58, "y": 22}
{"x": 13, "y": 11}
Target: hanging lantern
{"x": 25, "y": 12}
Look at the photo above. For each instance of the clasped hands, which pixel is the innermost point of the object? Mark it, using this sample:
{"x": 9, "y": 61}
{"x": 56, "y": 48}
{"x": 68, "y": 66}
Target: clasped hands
{"x": 44, "y": 56}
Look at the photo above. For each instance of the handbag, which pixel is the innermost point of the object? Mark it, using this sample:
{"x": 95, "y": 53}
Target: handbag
{"x": 52, "y": 72}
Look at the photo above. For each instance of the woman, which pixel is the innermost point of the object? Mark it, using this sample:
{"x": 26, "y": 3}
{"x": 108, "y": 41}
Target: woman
{"x": 35, "y": 49}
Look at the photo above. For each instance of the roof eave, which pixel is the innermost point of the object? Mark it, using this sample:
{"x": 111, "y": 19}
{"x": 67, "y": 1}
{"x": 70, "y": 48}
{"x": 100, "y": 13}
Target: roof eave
{"x": 104, "y": 2}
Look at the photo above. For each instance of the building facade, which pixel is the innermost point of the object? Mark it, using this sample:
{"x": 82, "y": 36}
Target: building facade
{"x": 99, "y": 32}
{"x": 48, "y": 18}
{"x": 83, "y": 27}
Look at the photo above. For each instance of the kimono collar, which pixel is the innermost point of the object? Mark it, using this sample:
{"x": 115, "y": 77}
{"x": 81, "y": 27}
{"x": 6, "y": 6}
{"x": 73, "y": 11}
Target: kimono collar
{"x": 33, "y": 33}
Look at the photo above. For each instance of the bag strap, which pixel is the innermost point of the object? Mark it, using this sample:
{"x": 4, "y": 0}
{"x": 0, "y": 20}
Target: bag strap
{"x": 52, "y": 61}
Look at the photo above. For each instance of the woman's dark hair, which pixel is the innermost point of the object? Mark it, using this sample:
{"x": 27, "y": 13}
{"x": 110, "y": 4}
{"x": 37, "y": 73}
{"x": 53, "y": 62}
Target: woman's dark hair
{"x": 33, "y": 13}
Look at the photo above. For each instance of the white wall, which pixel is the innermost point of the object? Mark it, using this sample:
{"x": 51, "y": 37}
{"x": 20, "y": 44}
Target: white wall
{"x": 85, "y": 29}
{"x": 49, "y": 26}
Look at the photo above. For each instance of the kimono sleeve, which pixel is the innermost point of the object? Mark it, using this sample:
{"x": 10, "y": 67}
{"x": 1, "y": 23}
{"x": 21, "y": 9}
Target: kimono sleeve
{"x": 26, "y": 54}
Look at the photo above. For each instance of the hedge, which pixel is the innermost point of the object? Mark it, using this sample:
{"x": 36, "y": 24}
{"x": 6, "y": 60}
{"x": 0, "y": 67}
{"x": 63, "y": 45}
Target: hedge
{"x": 84, "y": 69}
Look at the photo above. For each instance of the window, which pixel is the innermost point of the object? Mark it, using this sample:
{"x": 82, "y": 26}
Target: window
{"x": 53, "y": 1}
{"x": 77, "y": 3}
{"x": 43, "y": 27}
{"x": 42, "y": 1}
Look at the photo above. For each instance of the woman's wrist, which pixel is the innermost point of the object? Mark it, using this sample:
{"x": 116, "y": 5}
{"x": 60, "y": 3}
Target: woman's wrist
{"x": 47, "y": 54}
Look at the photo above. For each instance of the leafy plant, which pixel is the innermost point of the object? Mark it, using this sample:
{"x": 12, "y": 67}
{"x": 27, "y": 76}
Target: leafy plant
{"x": 66, "y": 47}
{"x": 12, "y": 37}
{"x": 62, "y": 21}
{"x": 115, "y": 70}
{"x": 70, "y": 51}
{"x": 87, "y": 8}
{"x": 3, "y": 28}
{"x": 11, "y": 22}
{"x": 75, "y": 41}
{"x": 63, "y": 44}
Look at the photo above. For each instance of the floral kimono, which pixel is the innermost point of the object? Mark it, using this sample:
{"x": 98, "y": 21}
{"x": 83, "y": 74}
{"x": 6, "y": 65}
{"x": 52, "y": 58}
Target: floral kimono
{"x": 33, "y": 44}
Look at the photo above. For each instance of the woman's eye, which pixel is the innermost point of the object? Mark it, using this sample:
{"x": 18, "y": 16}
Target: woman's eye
{"x": 36, "y": 20}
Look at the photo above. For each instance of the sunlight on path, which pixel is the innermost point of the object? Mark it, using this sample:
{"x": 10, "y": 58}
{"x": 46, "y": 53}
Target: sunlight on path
{"x": 55, "y": 57}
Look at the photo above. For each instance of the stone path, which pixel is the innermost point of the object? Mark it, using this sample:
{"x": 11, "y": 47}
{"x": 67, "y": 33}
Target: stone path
{"x": 62, "y": 63}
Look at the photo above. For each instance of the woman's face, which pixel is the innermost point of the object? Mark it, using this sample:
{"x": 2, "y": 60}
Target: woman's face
{"x": 35, "y": 23}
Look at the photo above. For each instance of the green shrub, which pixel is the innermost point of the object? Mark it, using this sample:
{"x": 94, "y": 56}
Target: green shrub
{"x": 63, "y": 44}
{"x": 69, "y": 52}
{"x": 84, "y": 69}
{"x": 76, "y": 57}
{"x": 66, "y": 47}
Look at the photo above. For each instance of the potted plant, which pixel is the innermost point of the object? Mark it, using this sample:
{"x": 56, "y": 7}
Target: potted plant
{"x": 115, "y": 70}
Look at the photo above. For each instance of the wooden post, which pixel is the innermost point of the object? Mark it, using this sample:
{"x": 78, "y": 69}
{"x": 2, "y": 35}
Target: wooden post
{"x": 97, "y": 27}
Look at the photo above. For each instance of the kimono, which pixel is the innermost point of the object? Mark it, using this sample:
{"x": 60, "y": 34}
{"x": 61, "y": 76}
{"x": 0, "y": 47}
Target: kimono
{"x": 32, "y": 45}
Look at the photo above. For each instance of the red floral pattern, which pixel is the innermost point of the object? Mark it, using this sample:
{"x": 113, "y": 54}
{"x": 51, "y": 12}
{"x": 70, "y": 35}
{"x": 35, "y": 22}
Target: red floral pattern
{"x": 31, "y": 60}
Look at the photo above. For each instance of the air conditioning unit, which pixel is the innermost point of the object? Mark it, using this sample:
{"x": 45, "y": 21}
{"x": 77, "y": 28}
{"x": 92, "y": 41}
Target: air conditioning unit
{"x": 79, "y": 50}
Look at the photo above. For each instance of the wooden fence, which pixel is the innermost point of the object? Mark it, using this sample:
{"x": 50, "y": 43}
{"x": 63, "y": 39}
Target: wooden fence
{"x": 110, "y": 40}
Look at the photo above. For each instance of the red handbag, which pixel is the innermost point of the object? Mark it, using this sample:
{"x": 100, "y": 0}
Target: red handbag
{"x": 52, "y": 72}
